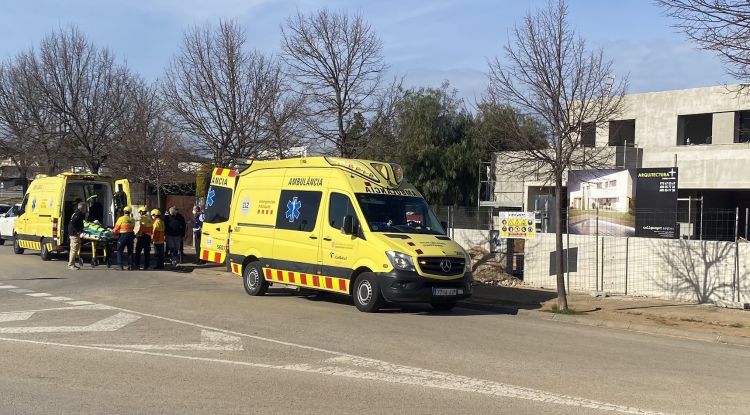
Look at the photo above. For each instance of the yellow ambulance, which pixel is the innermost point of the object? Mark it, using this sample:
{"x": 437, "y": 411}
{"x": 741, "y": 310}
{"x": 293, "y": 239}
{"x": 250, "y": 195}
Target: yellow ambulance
{"x": 49, "y": 203}
{"x": 352, "y": 227}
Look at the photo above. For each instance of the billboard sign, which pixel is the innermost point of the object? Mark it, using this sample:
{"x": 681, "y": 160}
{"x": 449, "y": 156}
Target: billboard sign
{"x": 623, "y": 202}
{"x": 517, "y": 225}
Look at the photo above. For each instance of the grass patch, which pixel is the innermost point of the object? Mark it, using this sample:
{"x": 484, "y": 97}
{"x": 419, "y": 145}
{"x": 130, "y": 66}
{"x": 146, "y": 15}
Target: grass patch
{"x": 570, "y": 311}
{"x": 690, "y": 319}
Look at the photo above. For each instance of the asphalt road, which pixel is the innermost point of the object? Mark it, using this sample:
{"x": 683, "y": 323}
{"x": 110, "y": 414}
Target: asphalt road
{"x": 104, "y": 341}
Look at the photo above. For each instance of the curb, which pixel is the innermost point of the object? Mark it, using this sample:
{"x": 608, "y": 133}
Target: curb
{"x": 594, "y": 322}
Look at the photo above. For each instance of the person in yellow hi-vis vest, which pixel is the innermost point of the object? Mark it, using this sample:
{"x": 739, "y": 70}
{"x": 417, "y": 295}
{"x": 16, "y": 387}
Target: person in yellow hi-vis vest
{"x": 125, "y": 231}
{"x": 158, "y": 238}
{"x": 143, "y": 234}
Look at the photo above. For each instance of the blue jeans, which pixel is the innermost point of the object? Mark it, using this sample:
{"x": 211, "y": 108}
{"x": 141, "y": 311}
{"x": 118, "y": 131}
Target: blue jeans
{"x": 125, "y": 241}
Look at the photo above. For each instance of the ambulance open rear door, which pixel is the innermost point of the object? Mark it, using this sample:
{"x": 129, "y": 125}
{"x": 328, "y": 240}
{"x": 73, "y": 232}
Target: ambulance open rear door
{"x": 215, "y": 235}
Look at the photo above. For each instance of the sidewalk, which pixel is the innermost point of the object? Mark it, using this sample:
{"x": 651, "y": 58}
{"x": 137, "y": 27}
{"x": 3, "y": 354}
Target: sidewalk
{"x": 673, "y": 318}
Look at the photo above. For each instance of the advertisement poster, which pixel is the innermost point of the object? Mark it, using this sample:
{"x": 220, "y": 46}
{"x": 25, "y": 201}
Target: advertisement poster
{"x": 630, "y": 202}
{"x": 517, "y": 225}
{"x": 656, "y": 203}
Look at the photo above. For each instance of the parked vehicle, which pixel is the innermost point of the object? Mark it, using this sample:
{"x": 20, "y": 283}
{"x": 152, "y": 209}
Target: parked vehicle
{"x": 4, "y": 208}
{"x": 7, "y": 219}
{"x": 49, "y": 203}
{"x": 352, "y": 227}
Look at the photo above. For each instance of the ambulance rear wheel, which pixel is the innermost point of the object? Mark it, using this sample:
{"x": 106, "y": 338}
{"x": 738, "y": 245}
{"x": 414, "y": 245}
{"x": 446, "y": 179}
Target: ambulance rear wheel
{"x": 366, "y": 293}
{"x": 45, "y": 253}
{"x": 253, "y": 280}
{"x": 17, "y": 246}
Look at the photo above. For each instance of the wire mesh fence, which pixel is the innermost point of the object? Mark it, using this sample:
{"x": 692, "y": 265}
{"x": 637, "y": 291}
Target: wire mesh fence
{"x": 706, "y": 257}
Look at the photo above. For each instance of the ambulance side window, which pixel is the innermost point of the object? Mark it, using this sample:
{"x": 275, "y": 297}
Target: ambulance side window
{"x": 339, "y": 205}
{"x": 218, "y": 201}
{"x": 298, "y": 210}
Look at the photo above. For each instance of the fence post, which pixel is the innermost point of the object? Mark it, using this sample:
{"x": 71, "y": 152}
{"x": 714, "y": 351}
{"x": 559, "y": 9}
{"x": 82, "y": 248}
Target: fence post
{"x": 603, "y": 261}
{"x": 690, "y": 219}
{"x": 747, "y": 216}
{"x": 700, "y": 236}
{"x": 596, "y": 267}
{"x": 567, "y": 251}
{"x": 735, "y": 271}
{"x": 627, "y": 258}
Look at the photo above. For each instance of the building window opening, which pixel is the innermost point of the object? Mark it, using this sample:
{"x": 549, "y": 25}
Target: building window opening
{"x": 742, "y": 127}
{"x": 694, "y": 129}
{"x": 622, "y": 133}
{"x": 588, "y": 134}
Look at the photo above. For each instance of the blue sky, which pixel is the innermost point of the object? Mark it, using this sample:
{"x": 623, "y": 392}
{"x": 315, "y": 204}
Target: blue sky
{"x": 426, "y": 41}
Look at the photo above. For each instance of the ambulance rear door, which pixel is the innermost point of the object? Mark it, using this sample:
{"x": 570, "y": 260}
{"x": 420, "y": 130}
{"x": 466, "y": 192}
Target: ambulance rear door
{"x": 215, "y": 235}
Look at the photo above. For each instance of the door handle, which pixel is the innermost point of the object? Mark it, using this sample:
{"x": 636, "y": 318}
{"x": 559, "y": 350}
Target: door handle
{"x": 313, "y": 237}
{"x": 218, "y": 229}
{"x": 327, "y": 239}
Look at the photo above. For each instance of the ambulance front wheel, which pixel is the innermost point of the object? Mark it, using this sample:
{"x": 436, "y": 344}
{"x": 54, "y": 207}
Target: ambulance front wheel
{"x": 17, "y": 246}
{"x": 253, "y": 280}
{"x": 366, "y": 293}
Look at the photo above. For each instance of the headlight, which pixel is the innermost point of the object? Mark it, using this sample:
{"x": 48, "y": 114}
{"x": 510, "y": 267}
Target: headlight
{"x": 467, "y": 266}
{"x": 400, "y": 261}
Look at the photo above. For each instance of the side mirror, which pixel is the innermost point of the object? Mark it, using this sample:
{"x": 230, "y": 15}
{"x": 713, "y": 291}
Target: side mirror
{"x": 444, "y": 224}
{"x": 348, "y": 225}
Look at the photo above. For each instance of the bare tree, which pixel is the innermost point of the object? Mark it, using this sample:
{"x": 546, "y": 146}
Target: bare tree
{"x": 720, "y": 26}
{"x": 152, "y": 150}
{"x": 284, "y": 118}
{"x": 218, "y": 92}
{"x": 33, "y": 133}
{"x": 86, "y": 89}
{"x": 337, "y": 62}
{"x": 549, "y": 73}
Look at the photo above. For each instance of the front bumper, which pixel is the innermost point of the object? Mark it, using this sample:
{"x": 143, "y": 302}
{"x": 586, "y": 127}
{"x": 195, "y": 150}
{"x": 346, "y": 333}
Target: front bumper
{"x": 409, "y": 287}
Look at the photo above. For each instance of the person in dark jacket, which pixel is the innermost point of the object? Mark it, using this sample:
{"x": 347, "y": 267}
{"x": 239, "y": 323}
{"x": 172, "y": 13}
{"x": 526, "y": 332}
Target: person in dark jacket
{"x": 197, "y": 229}
{"x": 75, "y": 229}
{"x": 175, "y": 231}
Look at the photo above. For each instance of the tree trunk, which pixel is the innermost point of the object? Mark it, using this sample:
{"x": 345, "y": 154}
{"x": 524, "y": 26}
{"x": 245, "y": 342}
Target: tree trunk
{"x": 562, "y": 299}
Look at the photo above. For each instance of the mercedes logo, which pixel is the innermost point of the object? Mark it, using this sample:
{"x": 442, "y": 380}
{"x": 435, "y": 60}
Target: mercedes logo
{"x": 445, "y": 265}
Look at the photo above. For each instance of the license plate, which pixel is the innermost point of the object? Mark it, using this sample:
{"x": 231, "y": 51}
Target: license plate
{"x": 444, "y": 291}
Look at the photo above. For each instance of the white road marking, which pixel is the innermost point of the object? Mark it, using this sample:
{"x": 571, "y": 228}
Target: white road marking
{"x": 392, "y": 374}
{"x": 341, "y": 365}
{"x": 39, "y": 295}
{"x": 15, "y": 316}
{"x": 112, "y": 323}
{"x": 80, "y": 307}
{"x": 4, "y": 287}
{"x": 210, "y": 341}
{"x": 21, "y": 291}
{"x": 59, "y": 298}
{"x": 79, "y": 302}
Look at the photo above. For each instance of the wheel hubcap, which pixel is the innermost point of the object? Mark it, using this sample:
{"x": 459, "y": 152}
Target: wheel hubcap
{"x": 252, "y": 279}
{"x": 364, "y": 292}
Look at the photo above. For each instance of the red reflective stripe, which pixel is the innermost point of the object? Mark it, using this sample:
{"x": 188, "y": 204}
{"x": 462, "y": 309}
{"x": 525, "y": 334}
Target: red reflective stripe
{"x": 303, "y": 279}
{"x": 268, "y": 274}
{"x": 280, "y": 275}
{"x": 329, "y": 283}
{"x": 235, "y": 268}
{"x": 205, "y": 255}
{"x": 291, "y": 277}
{"x": 316, "y": 282}
{"x": 342, "y": 285}
{"x": 232, "y": 173}
{"x": 217, "y": 256}
{"x": 219, "y": 171}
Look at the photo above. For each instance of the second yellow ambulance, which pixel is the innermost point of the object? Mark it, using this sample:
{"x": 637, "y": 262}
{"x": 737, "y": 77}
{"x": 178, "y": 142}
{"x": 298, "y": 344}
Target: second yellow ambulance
{"x": 347, "y": 226}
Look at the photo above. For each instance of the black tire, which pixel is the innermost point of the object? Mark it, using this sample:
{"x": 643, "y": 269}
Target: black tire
{"x": 2, "y": 241}
{"x": 253, "y": 281}
{"x": 366, "y": 293}
{"x": 443, "y": 306}
{"x": 17, "y": 246}
{"x": 44, "y": 254}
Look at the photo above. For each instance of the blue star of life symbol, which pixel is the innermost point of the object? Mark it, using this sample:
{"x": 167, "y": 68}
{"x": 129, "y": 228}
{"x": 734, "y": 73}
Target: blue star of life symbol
{"x": 210, "y": 197}
{"x": 33, "y": 203}
{"x": 292, "y": 209}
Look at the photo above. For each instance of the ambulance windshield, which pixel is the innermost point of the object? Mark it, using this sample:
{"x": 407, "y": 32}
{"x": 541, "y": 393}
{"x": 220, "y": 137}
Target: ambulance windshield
{"x": 398, "y": 214}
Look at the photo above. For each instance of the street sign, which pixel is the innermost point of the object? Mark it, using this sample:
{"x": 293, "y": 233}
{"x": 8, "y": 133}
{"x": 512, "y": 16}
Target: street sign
{"x": 519, "y": 225}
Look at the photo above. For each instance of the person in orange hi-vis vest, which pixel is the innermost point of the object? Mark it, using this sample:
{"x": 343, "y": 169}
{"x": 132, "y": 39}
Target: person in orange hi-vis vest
{"x": 125, "y": 231}
{"x": 157, "y": 237}
{"x": 143, "y": 234}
